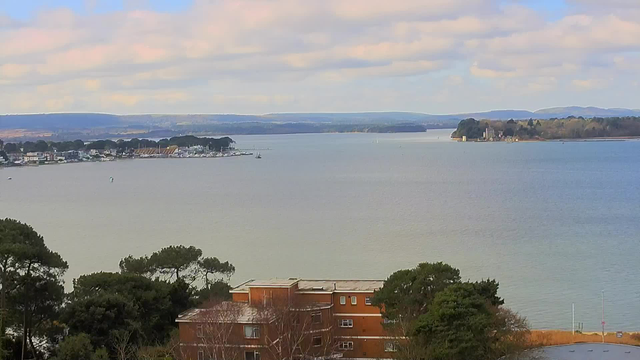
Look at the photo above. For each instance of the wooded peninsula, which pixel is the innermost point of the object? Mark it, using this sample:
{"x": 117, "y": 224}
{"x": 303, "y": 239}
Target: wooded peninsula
{"x": 541, "y": 129}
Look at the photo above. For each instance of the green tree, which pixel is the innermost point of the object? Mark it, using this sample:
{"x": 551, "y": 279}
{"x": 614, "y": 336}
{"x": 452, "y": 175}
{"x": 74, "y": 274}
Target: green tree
{"x": 213, "y": 266}
{"x": 179, "y": 261}
{"x": 100, "y": 354}
{"x": 38, "y": 301}
{"x": 78, "y": 145}
{"x": 466, "y": 321}
{"x": 471, "y": 128}
{"x": 153, "y": 304}
{"x": 28, "y": 146}
{"x": 408, "y": 293}
{"x": 41, "y": 146}
{"x": 457, "y": 325}
{"x": 24, "y": 258}
{"x": 488, "y": 289}
{"x": 11, "y": 148}
{"x": 214, "y": 292}
{"x": 99, "y": 315}
{"x": 181, "y": 298}
{"x": 77, "y": 347}
{"x": 139, "y": 266}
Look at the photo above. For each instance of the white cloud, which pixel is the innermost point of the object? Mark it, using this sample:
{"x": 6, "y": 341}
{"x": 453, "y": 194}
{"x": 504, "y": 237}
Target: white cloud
{"x": 139, "y": 60}
{"x": 589, "y": 84}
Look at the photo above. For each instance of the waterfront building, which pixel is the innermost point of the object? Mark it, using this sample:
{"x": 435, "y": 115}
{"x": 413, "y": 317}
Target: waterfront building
{"x": 284, "y": 318}
{"x": 33, "y": 157}
{"x": 489, "y": 134}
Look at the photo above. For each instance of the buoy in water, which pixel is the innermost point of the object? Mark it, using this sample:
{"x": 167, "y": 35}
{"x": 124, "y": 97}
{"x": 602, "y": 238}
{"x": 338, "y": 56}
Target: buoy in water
{"x": 9, "y": 178}
{"x": 111, "y": 179}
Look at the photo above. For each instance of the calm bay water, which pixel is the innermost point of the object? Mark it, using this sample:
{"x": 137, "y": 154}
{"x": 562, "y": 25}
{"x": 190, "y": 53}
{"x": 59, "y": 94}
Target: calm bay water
{"x": 554, "y": 223}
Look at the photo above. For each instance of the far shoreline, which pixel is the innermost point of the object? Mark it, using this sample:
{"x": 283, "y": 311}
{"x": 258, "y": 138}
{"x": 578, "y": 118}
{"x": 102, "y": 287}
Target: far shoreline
{"x": 591, "y": 139}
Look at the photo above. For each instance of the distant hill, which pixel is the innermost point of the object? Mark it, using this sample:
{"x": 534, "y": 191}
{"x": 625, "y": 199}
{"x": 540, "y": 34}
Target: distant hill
{"x": 54, "y": 122}
{"x": 90, "y": 124}
{"x": 585, "y": 112}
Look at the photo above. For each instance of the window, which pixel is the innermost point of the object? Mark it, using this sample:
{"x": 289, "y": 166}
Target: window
{"x": 343, "y": 300}
{"x": 200, "y": 354}
{"x": 367, "y": 300}
{"x": 199, "y": 330}
{"x": 390, "y": 346}
{"x": 317, "y": 341}
{"x": 252, "y": 355}
{"x": 346, "y": 345}
{"x": 347, "y": 323}
{"x": 251, "y": 332}
{"x": 354, "y": 300}
{"x": 316, "y": 318}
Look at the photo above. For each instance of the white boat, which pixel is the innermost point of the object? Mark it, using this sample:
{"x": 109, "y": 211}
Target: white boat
{"x": 258, "y": 156}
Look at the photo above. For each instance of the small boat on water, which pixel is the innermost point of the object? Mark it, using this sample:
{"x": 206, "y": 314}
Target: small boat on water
{"x": 9, "y": 178}
{"x": 111, "y": 179}
{"x": 258, "y": 156}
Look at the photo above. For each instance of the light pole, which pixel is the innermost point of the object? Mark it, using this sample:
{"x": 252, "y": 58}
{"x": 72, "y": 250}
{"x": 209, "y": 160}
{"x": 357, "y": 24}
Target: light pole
{"x": 602, "y": 316}
{"x": 573, "y": 319}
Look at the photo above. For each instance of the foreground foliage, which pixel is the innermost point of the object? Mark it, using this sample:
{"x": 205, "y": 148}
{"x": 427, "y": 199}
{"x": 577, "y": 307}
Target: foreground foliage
{"x": 107, "y": 315}
{"x": 131, "y": 314}
{"x": 443, "y": 318}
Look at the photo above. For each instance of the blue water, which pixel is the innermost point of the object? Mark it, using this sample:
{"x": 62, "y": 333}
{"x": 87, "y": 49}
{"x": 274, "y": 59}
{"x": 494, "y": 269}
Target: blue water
{"x": 554, "y": 223}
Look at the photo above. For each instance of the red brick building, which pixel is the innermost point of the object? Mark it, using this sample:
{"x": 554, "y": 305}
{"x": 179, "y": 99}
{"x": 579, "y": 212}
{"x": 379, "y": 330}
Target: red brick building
{"x": 289, "y": 319}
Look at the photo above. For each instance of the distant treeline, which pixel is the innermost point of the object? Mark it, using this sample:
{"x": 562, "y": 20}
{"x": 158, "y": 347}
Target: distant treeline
{"x": 260, "y": 128}
{"x": 180, "y": 141}
{"x": 566, "y": 128}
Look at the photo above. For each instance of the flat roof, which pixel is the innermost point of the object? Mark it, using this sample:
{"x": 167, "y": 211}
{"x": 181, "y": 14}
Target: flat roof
{"x": 272, "y": 282}
{"x": 590, "y": 351}
{"x": 313, "y": 285}
{"x": 340, "y": 285}
{"x": 226, "y": 312}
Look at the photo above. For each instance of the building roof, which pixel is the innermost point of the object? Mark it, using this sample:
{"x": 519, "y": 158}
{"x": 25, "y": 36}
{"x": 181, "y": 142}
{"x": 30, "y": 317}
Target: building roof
{"x": 313, "y": 285}
{"x": 272, "y": 282}
{"x": 340, "y": 285}
{"x": 592, "y": 351}
{"x": 226, "y": 312}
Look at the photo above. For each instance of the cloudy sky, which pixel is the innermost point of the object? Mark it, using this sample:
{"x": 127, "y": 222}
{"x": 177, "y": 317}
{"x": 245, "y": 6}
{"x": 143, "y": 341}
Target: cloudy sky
{"x": 260, "y": 56}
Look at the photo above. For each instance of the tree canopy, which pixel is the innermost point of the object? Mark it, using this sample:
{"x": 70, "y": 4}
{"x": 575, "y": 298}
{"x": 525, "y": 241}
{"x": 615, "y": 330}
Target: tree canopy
{"x": 28, "y": 270}
{"x": 213, "y": 266}
{"x": 174, "y": 260}
{"x": 217, "y": 144}
{"x": 408, "y": 293}
{"x": 463, "y": 322}
{"x": 114, "y": 313}
{"x": 457, "y": 325}
{"x": 443, "y": 318}
{"x": 567, "y": 128}
{"x": 76, "y": 347}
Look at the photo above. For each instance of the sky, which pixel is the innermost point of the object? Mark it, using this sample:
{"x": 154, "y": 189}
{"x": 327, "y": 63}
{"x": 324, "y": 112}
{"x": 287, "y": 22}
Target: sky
{"x": 264, "y": 56}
